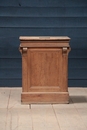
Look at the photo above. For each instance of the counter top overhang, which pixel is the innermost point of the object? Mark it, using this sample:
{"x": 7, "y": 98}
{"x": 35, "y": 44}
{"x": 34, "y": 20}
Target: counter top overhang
{"x": 44, "y": 41}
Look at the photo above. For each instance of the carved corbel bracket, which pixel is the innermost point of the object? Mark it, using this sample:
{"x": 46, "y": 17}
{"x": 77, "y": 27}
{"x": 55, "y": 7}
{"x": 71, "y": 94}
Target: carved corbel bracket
{"x": 65, "y": 50}
{"x": 24, "y": 50}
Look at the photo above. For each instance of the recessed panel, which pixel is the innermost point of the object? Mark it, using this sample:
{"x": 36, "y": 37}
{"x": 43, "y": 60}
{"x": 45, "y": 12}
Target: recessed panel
{"x": 45, "y": 67}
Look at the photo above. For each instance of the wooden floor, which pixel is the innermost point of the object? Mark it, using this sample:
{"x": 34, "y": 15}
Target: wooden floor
{"x": 14, "y": 116}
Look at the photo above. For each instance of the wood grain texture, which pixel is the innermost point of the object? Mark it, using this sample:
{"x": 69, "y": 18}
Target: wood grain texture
{"x": 45, "y": 69}
{"x": 44, "y": 44}
{"x": 54, "y": 97}
{"x": 24, "y": 69}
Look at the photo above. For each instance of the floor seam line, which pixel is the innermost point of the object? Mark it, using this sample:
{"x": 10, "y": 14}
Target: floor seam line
{"x": 56, "y": 117}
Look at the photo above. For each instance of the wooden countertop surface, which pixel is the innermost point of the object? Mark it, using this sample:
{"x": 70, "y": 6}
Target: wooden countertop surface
{"x": 32, "y": 38}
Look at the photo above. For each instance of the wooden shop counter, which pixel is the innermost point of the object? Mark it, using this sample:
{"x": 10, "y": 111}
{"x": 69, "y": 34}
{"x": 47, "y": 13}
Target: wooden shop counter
{"x": 44, "y": 69}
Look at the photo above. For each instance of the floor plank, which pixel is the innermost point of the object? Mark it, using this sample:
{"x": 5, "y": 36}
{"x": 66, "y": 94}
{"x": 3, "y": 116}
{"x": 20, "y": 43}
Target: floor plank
{"x": 4, "y": 97}
{"x": 44, "y": 118}
{"x": 69, "y": 118}
{"x": 3, "y": 118}
{"x": 19, "y": 119}
{"x": 15, "y": 116}
{"x": 15, "y": 99}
